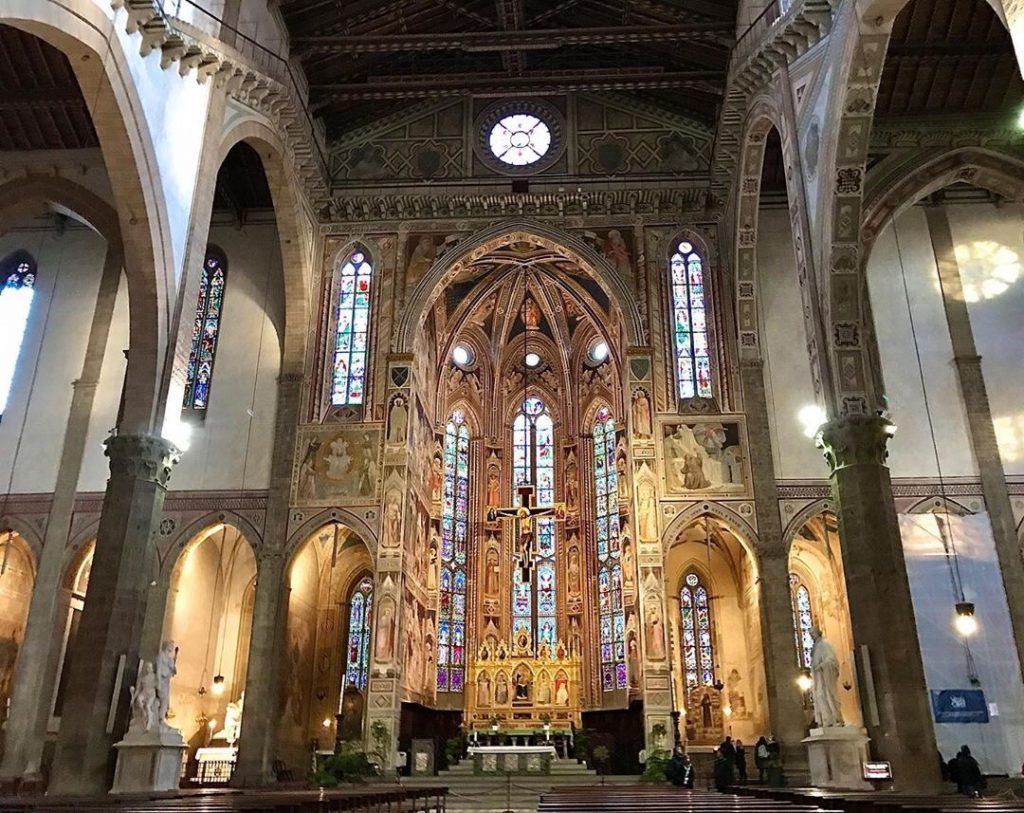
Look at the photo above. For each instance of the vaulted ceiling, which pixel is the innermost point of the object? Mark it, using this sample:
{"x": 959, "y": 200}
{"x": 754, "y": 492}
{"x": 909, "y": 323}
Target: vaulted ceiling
{"x": 370, "y": 57}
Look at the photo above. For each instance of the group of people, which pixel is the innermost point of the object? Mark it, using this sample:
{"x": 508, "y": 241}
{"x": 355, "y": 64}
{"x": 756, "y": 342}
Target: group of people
{"x": 730, "y": 765}
{"x": 963, "y": 770}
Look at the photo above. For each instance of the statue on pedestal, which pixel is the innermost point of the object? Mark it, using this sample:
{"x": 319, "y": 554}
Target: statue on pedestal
{"x": 166, "y": 668}
{"x": 144, "y": 703}
{"x": 232, "y": 722}
{"x": 825, "y": 688}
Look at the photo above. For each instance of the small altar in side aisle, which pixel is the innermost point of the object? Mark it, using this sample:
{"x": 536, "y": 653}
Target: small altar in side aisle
{"x": 520, "y": 704}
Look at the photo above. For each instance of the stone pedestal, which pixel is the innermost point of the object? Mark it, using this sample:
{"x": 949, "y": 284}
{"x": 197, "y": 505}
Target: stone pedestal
{"x": 149, "y": 761}
{"x": 836, "y": 757}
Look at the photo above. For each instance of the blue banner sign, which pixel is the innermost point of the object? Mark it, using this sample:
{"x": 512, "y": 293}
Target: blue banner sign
{"x": 959, "y": 706}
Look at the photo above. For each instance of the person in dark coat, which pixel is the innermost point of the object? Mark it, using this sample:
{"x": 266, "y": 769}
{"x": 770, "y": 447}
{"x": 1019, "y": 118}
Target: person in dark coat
{"x": 969, "y": 778}
{"x": 741, "y": 762}
{"x": 761, "y": 757}
{"x": 679, "y": 770}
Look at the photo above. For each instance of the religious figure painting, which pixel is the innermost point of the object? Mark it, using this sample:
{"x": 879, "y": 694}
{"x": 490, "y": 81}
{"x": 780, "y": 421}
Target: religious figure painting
{"x": 614, "y": 246}
{"x": 423, "y": 250}
{"x": 337, "y": 466}
{"x": 704, "y": 456}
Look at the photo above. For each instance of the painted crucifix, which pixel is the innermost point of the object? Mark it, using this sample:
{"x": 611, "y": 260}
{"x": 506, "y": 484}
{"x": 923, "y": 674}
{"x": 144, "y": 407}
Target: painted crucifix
{"x": 525, "y": 515}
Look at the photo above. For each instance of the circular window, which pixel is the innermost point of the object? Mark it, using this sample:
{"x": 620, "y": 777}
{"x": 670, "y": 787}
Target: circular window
{"x": 462, "y": 355}
{"x": 520, "y": 137}
{"x": 531, "y": 359}
{"x": 598, "y": 351}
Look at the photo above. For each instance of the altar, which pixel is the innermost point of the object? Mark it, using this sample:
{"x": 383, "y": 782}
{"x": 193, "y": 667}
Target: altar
{"x": 521, "y": 693}
{"x": 519, "y": 760}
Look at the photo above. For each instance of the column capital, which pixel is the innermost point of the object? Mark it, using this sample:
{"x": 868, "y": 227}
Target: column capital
{"x": 142, "y": 457}
{"x": 855, "y": 440}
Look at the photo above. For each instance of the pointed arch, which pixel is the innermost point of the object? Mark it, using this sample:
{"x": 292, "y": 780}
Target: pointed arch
{"x": 447, "y": 267}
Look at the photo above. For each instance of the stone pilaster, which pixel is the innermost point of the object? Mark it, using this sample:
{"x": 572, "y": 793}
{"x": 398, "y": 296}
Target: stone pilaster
{"x": 258, "y": 741}
{"x": 979, "y": 421}
{"x": 785, "y": 711}
{"x": 106, "y": 652}
{"x": 890, "y": 672}
{"x": 33, "y": 682}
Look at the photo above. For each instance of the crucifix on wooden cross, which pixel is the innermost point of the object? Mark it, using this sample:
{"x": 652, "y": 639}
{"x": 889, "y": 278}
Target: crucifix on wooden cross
{"x": 524, "y": 515}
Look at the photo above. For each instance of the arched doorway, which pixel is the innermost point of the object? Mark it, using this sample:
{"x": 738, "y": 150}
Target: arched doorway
{"x": 17, "y": 577}
{"x": 715, "y": 633}
{"x": 209, "y": 617}
{"x": 76, "y": 584}
{"x": 329, "y": 625}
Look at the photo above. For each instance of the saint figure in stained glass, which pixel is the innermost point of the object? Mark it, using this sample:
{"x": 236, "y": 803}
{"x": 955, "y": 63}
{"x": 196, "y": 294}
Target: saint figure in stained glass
{"x": 205, "y": 332}
{"x": 690, "y": 322}
{"x": 803, "y": 620}
{"x": 360, "y": 612}
{"x": 612, "y": 626}
{"x": 451, "y": 622}
{"x": 697, "y": 632}
{"x": 17, "y": 290}
{"x": 352, "y": 336}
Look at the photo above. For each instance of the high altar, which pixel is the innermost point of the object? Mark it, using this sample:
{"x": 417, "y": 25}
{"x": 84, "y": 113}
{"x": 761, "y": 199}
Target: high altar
{"x": 526, "y": 693}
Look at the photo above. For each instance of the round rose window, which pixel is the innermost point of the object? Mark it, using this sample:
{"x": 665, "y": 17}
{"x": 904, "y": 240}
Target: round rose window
{"x": 519, "y": 139}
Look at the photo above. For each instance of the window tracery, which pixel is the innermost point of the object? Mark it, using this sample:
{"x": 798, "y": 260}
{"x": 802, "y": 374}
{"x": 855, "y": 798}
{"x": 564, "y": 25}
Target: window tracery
{"x": 205, "y": 332}
{"x": 690, "y": 323}
{"x": 18, "y": 276}
{"x": 451, "y": 624}
{"x": 533, "y": 463}
{"x": 352, "y": 335}
{"x": 609, "y": 576}
{"x": 359, "y": 614}
{"x": 803, "y": 620}
{"x": 697, "y": 632}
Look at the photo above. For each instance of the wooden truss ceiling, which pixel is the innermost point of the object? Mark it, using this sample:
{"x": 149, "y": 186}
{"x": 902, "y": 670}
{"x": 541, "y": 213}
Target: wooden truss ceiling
{"x": 949, "y": 57}
{"x": 41, "y": 104}
{"x": 368, "y": 58}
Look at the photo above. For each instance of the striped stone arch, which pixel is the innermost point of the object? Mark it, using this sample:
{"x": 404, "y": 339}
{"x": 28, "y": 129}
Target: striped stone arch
{"x": 766, "y": 113}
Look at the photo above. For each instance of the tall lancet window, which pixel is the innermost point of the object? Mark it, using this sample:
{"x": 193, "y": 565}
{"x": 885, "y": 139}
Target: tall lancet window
{"x": 533, "y": 463}
{"x": 451, "y": 620}
{"x": 690, "y": 323}
{"x": 352, "y": 337}
{"x": 803, "y": 619}
{"x": 360, "y": 611}
{"x": 698, "y": 634}
{"x": 17, "y": 290}
{"x": 205, "y": 332}
{"x": 609, "y": 574}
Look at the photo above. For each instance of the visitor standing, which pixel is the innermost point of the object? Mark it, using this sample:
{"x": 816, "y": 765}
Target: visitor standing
{"x": 970, "y": 781}
{"x": 761, "y": 757}
{"x": 741, "y": 762}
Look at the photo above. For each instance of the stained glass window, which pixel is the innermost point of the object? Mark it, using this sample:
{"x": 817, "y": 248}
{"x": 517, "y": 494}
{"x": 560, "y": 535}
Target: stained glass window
{"x": 698, "y": 633}
{"x": 355, "y": 286}
{"x": 358, "y": 652}
{"x": 609, "y": 575}
{"x": 451, "y": 619}
{"x": 690, "y": 323}
{"x": 18, "y": 280}
{"x": 533, "y": 463}
{"x": 803, "y": 620}
{"x": 205, "y": 331}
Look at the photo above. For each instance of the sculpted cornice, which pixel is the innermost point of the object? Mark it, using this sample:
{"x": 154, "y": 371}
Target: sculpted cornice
{"x": 275, "y": 97}
{"x": 662, "y": 203}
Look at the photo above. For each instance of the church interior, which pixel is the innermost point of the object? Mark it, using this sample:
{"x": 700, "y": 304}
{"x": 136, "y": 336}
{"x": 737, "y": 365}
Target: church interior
{"x": 509, "y": 381}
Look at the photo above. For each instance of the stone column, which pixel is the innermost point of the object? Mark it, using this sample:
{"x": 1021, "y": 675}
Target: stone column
{"x": 106, "y": 652}
{"x": 262, "y": 691}
{"x": 979, "y": 422}
{"x": 257, "y": 744}
{"x": 33, "y": 681}
{"x": 785, "y": 711}
{"x": 893, "y": 693}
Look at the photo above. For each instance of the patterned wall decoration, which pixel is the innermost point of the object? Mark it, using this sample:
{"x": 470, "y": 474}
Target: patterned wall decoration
{"x": 336, "y": 465}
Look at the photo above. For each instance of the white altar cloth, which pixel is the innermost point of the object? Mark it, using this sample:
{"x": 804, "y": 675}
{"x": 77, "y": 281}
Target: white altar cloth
{"x": 513, "y": 749}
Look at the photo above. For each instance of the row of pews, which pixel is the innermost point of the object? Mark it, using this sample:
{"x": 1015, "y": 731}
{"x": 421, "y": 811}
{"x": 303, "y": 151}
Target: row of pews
{"x": 885, "y": 802}
{"x": 663, "y": 799}
{"x": 367, "y": 799}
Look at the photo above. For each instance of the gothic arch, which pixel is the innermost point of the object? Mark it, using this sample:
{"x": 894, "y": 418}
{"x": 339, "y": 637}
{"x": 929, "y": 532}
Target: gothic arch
{"x": 34, "y": 193}
{"x": 28, "y": 535}
{"x": 888, "y": 196}
{"x": 85, "y": 34}
{"x": 429, "y": 288}
{"x": 342, "y": 516}
{"x": 800, "y": 519}
{"x": 186, "y": 534}
{"x": 939, "y": 504}
{"x": 744, "y": 532}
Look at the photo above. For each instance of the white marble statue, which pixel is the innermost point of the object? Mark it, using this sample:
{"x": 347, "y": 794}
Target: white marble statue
{"x": 232, "y": 722}
{"x": 144, "y": 703}
{"x": 825, "y": 688}
{"x": 166, "y": 668}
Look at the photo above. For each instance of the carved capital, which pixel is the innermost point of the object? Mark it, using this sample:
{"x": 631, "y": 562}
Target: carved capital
{"x": 855, "y": 440}
{"x": 141, "y": 457}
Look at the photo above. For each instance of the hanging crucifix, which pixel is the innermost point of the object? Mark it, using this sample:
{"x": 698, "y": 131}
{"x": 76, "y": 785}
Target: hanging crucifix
{"x": 524, "y": 539}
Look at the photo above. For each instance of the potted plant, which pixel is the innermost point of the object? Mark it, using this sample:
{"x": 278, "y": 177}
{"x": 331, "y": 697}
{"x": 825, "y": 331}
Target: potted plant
{"x": 380, "y": 736}
{"x": 658, "y": 733}
{"x": 601, "y": 757}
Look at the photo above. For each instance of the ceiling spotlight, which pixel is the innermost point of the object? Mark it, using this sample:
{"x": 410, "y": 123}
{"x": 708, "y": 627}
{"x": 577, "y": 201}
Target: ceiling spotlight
{"x": 599, "y": 352}
{"x": 462, "y": 355}
{"x": 531, "y": 359}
